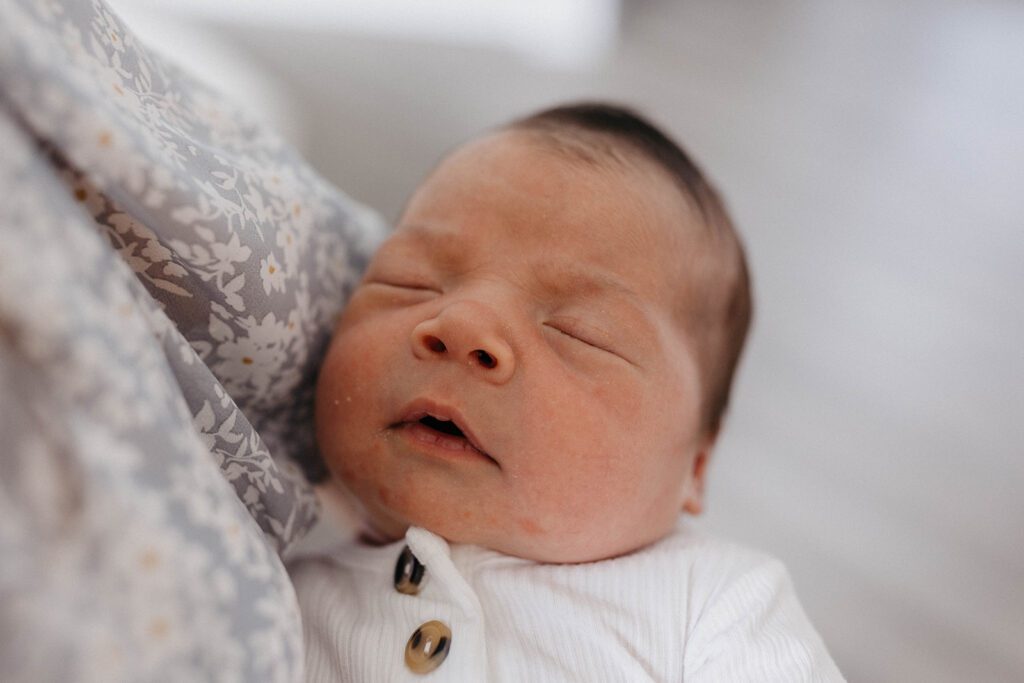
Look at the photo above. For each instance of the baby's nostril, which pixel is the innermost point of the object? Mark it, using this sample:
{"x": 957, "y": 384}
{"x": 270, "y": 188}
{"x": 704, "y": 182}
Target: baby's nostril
{"x": 486, "y": 359}
{"x": 434, "y": 344}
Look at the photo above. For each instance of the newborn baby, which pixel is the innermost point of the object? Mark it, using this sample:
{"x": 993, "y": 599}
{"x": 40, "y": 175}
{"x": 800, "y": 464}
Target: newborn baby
{"x": 523, "y": 395}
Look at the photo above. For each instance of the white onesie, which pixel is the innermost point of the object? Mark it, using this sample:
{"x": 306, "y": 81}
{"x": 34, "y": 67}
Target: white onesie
{"x": 686, "y": 608}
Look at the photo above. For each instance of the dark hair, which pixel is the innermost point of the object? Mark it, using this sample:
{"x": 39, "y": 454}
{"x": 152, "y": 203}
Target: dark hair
{"x": 718, "y": 303}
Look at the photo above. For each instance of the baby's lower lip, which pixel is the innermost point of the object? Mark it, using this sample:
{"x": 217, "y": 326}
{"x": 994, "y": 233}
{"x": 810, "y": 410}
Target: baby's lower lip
{"x": 456, "y": 446}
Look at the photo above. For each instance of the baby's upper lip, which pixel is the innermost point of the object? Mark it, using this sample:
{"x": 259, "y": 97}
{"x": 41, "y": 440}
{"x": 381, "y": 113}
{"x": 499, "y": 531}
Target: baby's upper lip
{"x": 422, "y": 407}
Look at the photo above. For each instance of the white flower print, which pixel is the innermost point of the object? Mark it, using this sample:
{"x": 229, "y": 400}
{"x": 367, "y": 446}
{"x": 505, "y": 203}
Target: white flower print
{"x": 288, "y": 242}
{"x": 107, "y": 29}
{"x": 99, "y": 144}
{"x": 170, "y": 362}
{"x": 228, "y": 254}
{"x": 251, "y": 359}
{"x": 272, "y": 274}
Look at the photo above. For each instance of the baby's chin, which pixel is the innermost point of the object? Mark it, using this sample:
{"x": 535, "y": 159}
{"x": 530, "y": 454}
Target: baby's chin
{"x": 387, "y": 514}
{"x": 528, "y": 541}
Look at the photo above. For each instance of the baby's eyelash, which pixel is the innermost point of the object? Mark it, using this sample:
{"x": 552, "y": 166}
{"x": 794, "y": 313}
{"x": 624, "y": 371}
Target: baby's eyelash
{"x": 416, "y": 286}
{"x": 579, "y": 336}
{"x": 589, "y": 335}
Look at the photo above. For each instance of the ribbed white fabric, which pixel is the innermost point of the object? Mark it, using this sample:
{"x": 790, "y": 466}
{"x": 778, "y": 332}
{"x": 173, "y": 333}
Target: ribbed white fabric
{"x": 688, "y": 608}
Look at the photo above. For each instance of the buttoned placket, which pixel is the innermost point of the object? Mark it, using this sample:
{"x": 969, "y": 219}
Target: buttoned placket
{"x": 447, "y": 642}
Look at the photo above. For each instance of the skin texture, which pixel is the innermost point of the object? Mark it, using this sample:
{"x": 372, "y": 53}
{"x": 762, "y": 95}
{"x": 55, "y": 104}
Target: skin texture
{"x": 585, "y": 402}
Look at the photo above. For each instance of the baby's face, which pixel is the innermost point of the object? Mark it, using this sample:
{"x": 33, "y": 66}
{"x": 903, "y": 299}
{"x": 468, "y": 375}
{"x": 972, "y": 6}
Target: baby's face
{"x": 511, "y": 372}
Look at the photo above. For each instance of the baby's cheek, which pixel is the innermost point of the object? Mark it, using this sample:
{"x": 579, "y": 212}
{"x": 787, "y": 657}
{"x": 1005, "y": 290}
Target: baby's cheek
{"x": 621, "y": 398}
{"x": 569, "y": 492}
{"x": 580, "y": 481}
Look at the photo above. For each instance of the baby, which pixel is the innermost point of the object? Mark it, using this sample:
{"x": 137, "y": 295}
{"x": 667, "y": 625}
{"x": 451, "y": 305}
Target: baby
{"x": 523, "y": 395}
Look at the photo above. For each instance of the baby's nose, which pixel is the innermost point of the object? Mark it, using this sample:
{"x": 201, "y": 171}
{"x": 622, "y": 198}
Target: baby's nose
{"x": 470, "y": 333}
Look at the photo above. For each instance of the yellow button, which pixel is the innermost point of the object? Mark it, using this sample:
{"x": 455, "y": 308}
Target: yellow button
{"x": 428, "y": 647}
{"x": 409, "y": 573}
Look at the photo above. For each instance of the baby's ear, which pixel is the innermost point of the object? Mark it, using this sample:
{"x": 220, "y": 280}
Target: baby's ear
{"x": 693, "y": 491}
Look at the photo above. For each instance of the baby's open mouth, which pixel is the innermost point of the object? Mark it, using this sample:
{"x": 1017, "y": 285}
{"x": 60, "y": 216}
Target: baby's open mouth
{"x": 435, "y": 423}
{"x": 443, "y": 426}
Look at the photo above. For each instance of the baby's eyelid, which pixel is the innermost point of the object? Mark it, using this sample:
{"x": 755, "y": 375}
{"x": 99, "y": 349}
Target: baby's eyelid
{"x": 412, "y": 283}
{"x": 408, "y": 285}
{"x": 581, "y": 333}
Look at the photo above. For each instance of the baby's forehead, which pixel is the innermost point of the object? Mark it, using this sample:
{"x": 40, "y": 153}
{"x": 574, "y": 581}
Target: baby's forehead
{"x": 625, "y": 208}
{"x": 584, "y": 151}
{"x": 567, "y": 161}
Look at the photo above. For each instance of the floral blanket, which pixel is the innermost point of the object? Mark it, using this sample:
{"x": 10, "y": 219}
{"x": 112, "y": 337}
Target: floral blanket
{"x": 169, "y": 274}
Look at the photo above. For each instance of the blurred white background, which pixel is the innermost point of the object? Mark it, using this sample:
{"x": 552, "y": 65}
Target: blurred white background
{"x": 873, "y": 155}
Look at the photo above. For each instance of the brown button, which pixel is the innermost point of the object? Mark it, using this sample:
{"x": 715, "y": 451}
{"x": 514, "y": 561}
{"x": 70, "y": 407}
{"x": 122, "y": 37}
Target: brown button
{"x": 428, "y": 647}
{"x": 409, "y": 573}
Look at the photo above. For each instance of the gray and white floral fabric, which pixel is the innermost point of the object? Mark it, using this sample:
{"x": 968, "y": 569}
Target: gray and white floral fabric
{"x": 169, "y": 275}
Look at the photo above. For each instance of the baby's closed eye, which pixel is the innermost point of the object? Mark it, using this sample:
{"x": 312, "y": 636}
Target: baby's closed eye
{"x": 402, "y": 283}
{"x": 585, "y": 333}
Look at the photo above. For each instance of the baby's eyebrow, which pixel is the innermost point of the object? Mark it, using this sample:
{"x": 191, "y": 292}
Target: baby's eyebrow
{"x": 568, "y": 279}
{"x": 416, "y": 232}
{"x": 440, "y": 242}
